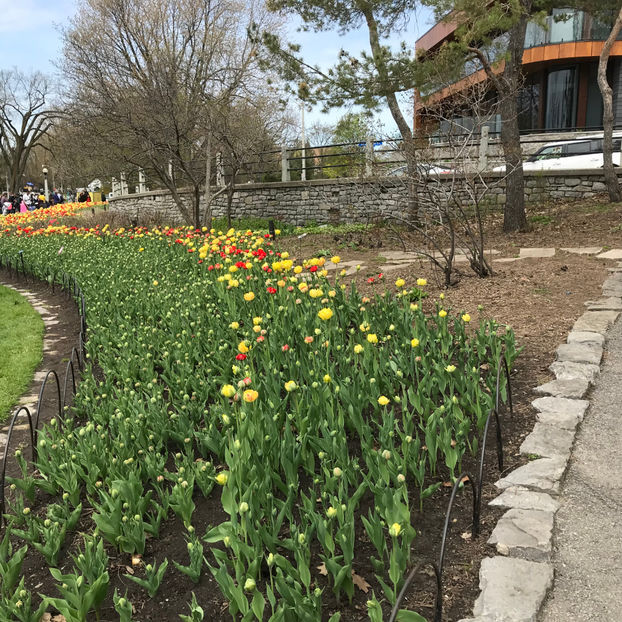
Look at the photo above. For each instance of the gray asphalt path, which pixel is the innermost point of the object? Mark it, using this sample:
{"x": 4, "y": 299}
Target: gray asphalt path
{"x": 588, "y": 544}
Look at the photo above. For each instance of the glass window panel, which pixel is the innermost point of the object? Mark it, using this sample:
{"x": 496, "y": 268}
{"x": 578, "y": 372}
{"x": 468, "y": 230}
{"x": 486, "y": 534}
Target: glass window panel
{"x": 534, "y": 35}
{"x": 578, "y": 148}
{"x": 565, "y": 25}
{"x": 594, "y": 108}
{"x": 549, "y": 152}
{"x": 561, "y": 99}
{"x": 529, "y": 106}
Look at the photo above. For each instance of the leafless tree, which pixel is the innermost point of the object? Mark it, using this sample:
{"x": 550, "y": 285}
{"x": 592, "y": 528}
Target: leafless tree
{"x": 455, "y": 193}
{"x": 150, "y": 78}
{"x": 26, "y": 116}
{"x": 245, "y": 134}
{"x": 611, "y": 177}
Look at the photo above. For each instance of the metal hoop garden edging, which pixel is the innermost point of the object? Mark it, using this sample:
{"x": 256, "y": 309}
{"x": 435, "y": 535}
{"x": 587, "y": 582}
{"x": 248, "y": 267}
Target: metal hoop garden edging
{"x": 6, "y": 453}
{"x": 53, "y": 373}
{"x": 73, "y": 383}
{"x": 507, "y": 378}
{"x": 476, "y": 488}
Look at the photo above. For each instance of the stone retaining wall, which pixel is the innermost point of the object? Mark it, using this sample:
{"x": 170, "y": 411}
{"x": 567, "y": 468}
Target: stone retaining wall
{"x": 353, "y": 200}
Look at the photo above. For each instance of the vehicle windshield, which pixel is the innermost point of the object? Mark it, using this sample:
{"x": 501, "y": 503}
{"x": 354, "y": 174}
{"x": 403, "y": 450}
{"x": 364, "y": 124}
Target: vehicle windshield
{"x": 546, "y": 153}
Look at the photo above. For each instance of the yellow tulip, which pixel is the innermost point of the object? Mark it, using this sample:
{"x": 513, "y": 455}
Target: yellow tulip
{"x": 250, "y": 396}
{"x": 228, "y": 390}
{"x": 325, "y": 313}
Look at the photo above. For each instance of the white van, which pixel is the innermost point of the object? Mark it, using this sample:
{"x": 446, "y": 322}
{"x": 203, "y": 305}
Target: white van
{"x": 571, "y": 155}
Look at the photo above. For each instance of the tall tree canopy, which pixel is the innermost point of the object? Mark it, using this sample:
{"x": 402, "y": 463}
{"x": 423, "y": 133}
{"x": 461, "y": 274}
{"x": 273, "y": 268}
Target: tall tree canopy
{"x": 154, "y": 75}
{"x": 26, "y": 116}
{"x": 373, "y": 78}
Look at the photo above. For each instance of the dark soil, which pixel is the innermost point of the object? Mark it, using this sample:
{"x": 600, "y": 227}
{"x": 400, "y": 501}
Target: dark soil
{"x": 539, "y": 298}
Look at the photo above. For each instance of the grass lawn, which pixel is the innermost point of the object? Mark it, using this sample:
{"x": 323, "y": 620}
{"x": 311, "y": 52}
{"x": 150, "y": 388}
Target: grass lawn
{"x": 21, "y": 344}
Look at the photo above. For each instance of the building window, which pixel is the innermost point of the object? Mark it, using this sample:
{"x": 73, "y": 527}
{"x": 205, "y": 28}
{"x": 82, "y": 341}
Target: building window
{"x": 529, "y": 104}
{"x": 561, "y": 99}
{"x": 594, "y": 107}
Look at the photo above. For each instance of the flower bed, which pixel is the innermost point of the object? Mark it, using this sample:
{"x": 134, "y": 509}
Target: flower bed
{"x": 222, "y": 369}
{"x": 38, "y": 217}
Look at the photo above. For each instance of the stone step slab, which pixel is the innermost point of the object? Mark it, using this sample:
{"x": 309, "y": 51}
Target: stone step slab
{"x": 548, "y": 441}
{"x": 614, "y": 253}
{"x": 512, "y": 589}
{"x": 561, "y": 405}
{"x": 582, "y": 336}
{"x": 583, "y": 250}
{"x": 613, "y": 285}
{"x": 569, "y": 370}
{"x": 596, "y": 321}
{"x": 537, "y": 253}
{"x": 542, "y": 475}
{"x": 565, "y": 420}
{"x": 580, "y": 353}
{"x": 612, "y": 292}
{"x": 569, "y": 387}
{"x": 526, "y": 534}
{"x": 525, "y": 499}
{"x": 612, "y": 303}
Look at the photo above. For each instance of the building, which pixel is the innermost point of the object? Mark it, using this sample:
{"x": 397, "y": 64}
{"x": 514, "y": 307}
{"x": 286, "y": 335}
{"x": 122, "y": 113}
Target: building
{"x": 560, "y": 64}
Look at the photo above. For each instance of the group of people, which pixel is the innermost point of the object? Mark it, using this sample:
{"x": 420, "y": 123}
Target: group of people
{"x": 30, "y": 200}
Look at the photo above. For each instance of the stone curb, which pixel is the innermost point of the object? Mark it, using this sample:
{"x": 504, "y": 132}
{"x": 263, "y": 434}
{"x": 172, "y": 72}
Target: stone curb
{"x": 514, "y": 583}
{"x": 50, "y": 319}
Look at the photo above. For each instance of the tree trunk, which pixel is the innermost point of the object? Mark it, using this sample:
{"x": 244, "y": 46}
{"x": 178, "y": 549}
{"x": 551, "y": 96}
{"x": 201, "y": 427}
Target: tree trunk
{"x": 207, "y": 215}
{"x": 230, "y": 193}
{"x": 514, "y": 216}
{"x": 196, "y": 207}
{"x": 394, "y": 108}
{"x": 611, "y": 177}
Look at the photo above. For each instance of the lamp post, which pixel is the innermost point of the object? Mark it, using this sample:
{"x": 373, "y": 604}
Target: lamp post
{"x": 45, "y": 183}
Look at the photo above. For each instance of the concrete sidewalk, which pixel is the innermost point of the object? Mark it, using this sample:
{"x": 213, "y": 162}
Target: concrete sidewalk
{"x": 587, "y": 555}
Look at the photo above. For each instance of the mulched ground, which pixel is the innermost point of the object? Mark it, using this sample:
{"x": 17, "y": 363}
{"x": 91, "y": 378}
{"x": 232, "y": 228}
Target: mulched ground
{"x": 539, "y": 298}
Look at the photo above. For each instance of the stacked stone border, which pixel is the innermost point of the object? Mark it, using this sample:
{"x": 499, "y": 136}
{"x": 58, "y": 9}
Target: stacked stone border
{"x": 514, "y": 583}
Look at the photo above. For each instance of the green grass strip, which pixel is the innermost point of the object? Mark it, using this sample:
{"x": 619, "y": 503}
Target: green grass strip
{"x": 21, "y": 347}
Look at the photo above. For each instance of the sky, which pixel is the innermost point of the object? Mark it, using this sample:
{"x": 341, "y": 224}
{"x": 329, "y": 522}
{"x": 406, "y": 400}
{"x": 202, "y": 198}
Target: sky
{"x": 30, "y": 39}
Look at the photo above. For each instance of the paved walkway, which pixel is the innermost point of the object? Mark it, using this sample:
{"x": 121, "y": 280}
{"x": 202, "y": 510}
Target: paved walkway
{"x": 587, "y": 554}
